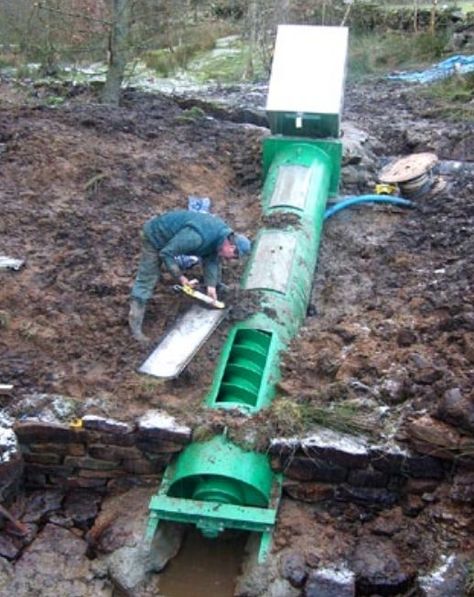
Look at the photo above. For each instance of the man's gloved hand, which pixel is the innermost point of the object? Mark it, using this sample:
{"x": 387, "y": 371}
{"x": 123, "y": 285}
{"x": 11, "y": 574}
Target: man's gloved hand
{"x": 185, "y": 282}
{"x": 212, "y": 293}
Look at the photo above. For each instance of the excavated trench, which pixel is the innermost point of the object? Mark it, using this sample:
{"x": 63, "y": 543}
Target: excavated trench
{"x": 377, "y": 386}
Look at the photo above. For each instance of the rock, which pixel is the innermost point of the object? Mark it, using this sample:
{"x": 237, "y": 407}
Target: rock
{"x": 159, "y": 425}
{"x": 281, "y": 588}
{"x": 114, "y": 527}
{"x": 406, "y": 337}
{"x": 56, "y": 564}
{"x": 303, "y": 468}
{"x": 119, "y": 533}
{"x": 378, "y": 569}
{"x": 434, "y": 437}
{"x": 10, "y": 546}
{"x": 40, "y": 503}
{"x": 330, "y": 582}
{"x": 293, "y": 568}
{"x": 388, "y": 523}
{"x": 366, "y": 496}
{"x": 328, "y": 446}
{"x": 462, "y": 489}
{"x": 6, "y": 575}
{"x": 308, "y": 491}
{"x": 34, "y": 432}
{"x": 367, "y": 478}
{"x": 446, "y": 580}
{"x": 394, "y": 390}
{"x": 457, "y": 409}
{"x": 82, "y": 507}
{"x": 107, "y": 425}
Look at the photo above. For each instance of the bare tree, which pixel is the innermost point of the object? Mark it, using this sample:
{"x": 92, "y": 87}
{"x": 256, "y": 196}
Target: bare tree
{"x": 117, "y": 51}
{"x": 434, "y": 10}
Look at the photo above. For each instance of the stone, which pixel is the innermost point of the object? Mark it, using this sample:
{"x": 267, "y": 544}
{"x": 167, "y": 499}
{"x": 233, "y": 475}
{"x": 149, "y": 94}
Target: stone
{"x": 115, "y": 453}
{"x": 41, "y": 503}
{"x": 42, "y": 458}
{"x": 420, "y": 486}
{"x": 6, "y": 575}
{"x": 378, "y": 569}
{"x": 89, "y": 473}
{"x": 55, "y": 564}
{"x": 59, "y": 449}
{"x": 412, "y": 505}
{"x": 330, "y": 582}
{"x": 118, "y": 537}
{"x": 462, "y": 488}
{"x": 114, "y": 527}
{"x": 107, "y": 425}
{"x": 159, "y": 425}
{"x": 311, "y": 469}
{"x": 156, "y": 446}
{"x": 366, "y": 496}
{"x": 145, "y": 466}
{"x": 34, "y": 432}
{"x": 406, "y": 337}
{"x": 11, "y": 471}
{"x": 448, "y": 579}
{"x": 457, "y": 409}
{"x": 388, "y": 460}
{"x": 58, "y": 470}
{"x": 87, "y": 462}
{"x": 82, "y": 507}
{"x": 330, "y": 446}
{"x": 367, "y": 478}
{"x": 309, "y": 491}
{"x": 388, "y": 523}
{"x": 293, "y": 568}
{"x": 424, "y": 467}
{"x": 81, "y": 483}
{"x": 10, "y": 546}
{"x": 435, "y": 432}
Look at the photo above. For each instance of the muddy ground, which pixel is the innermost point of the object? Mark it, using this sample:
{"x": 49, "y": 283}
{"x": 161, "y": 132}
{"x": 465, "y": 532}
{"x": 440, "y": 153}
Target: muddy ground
{"x": 393, "y": 292}
{"x": 394, "y": 324}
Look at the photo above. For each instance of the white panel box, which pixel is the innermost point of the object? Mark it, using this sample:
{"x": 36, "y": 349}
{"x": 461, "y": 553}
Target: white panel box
{"x": 306, "y": 89}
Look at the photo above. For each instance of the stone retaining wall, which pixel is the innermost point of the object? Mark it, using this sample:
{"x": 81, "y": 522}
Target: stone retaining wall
{"x": 330, "y": 465}
{"x": 91, "y": 454}
{"x": 327, "y": 465}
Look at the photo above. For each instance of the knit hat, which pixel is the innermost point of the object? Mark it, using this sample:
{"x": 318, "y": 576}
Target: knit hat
{"x": 242, "y": 243}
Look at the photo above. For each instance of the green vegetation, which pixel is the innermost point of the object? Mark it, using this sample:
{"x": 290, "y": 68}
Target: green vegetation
{"x": 469, "y": 586}
{"x": 453, "y": 97}
{"x": 373, "y": 54}
{"x": 199, "y": 40}
{"x": 290, "y": 417}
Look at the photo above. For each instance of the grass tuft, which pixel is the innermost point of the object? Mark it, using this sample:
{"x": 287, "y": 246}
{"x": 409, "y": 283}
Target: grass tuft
{"x": 290, "y": 417}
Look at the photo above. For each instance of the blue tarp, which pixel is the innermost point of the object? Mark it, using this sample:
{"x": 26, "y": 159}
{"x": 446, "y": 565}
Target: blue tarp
{"x": 442, "y": 70}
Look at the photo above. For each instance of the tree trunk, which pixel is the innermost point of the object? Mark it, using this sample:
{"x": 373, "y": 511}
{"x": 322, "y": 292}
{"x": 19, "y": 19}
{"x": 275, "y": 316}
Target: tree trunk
{"x": 253, "y": 24}
{"x": 434, "y": 10}
{"x": 415, "y": 16}
{"x": 118, "y": 42}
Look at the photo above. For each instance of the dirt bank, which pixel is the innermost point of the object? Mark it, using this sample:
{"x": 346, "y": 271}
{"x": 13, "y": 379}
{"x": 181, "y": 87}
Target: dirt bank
{"x": 393, "y": 335}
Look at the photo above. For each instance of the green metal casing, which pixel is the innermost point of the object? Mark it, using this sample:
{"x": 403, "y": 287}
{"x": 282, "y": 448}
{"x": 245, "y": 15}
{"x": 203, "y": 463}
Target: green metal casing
{"x": 280, "y": 268}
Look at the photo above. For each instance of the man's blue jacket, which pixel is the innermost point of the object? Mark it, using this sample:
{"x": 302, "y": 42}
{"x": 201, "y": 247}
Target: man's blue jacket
{"x": 188, "y": 233}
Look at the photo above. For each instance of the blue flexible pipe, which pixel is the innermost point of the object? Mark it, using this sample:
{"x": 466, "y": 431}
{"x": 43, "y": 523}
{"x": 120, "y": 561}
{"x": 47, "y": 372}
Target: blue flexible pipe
{"x": 353, "y": 200}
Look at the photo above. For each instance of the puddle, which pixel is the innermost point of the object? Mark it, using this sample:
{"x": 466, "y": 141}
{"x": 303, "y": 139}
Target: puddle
{"x": 204, "y": 567}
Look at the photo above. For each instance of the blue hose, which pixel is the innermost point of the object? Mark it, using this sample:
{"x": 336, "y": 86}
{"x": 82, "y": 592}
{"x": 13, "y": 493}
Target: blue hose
{"x": 353, "y": 200}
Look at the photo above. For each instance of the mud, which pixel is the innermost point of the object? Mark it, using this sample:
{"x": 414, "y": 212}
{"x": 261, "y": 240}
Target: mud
{"x": 394, "y": 328}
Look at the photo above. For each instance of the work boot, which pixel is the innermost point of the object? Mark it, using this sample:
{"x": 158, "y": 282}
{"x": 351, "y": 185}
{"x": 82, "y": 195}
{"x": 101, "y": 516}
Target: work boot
{"x": 135, "y": 320}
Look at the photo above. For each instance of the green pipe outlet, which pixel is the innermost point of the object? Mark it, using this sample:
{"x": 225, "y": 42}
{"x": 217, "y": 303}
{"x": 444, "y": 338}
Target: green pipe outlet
{"x": 281, "y": 269}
